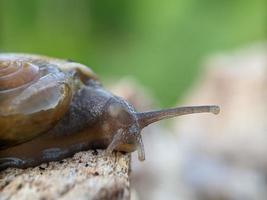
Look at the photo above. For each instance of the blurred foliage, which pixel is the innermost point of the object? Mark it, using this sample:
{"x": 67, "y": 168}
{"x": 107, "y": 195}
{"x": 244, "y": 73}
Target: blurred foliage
{"x": 161, "y": 43}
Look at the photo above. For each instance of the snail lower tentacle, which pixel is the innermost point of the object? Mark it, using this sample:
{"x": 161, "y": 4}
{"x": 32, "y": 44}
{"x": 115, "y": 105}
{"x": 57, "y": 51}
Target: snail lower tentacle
{"x": 116, "y": 141}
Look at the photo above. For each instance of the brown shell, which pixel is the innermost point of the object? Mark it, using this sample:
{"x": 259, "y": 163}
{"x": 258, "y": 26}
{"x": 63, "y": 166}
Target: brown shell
{"x": 35, "y": 92}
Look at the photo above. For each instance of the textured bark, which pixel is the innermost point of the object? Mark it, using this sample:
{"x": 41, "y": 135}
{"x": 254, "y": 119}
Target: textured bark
{"x": 87, "y": 175}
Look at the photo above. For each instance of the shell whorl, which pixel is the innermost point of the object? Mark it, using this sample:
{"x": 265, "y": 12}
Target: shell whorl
{"x": 34, "y": 96}
{"x": 16, "y": 74}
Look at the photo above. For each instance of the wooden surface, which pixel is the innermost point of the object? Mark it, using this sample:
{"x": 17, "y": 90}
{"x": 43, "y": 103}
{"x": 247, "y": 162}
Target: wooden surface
{"x": 87, "y": 175}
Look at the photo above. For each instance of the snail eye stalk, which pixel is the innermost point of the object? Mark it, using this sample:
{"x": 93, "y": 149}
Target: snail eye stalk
{"x": 146, "y": 118}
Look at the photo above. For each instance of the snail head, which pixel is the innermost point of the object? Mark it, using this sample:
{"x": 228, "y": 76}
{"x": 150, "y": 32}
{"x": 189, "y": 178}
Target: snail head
{"x": 126, "y": 124}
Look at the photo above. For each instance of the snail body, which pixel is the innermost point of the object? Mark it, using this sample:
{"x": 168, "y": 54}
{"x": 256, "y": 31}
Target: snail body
{"x": 52, "y": 108}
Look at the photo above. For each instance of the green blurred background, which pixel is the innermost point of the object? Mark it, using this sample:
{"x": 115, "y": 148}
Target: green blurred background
{"x": 160, "y": 43}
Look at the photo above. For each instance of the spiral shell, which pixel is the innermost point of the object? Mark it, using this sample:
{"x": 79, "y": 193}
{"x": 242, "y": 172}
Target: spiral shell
{"x": 34, "y": 95}
{"x": 16, "y": 74}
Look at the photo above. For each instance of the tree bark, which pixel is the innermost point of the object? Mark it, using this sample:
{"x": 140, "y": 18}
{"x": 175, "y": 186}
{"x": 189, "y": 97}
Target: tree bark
{"x": 87, "y": 175}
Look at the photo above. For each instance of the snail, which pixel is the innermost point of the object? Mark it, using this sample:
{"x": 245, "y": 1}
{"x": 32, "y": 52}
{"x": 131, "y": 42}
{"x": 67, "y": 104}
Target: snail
{"x": 52, "y": 108}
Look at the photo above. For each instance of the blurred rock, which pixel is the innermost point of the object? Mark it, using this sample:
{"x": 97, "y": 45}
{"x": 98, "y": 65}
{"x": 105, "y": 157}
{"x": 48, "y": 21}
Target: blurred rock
{"x": 210, "y": 157}
{"x": 224, "y": 156}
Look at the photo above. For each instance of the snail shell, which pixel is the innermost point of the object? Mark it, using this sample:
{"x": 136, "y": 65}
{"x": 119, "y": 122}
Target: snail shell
{"x": 34, "y": 95}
